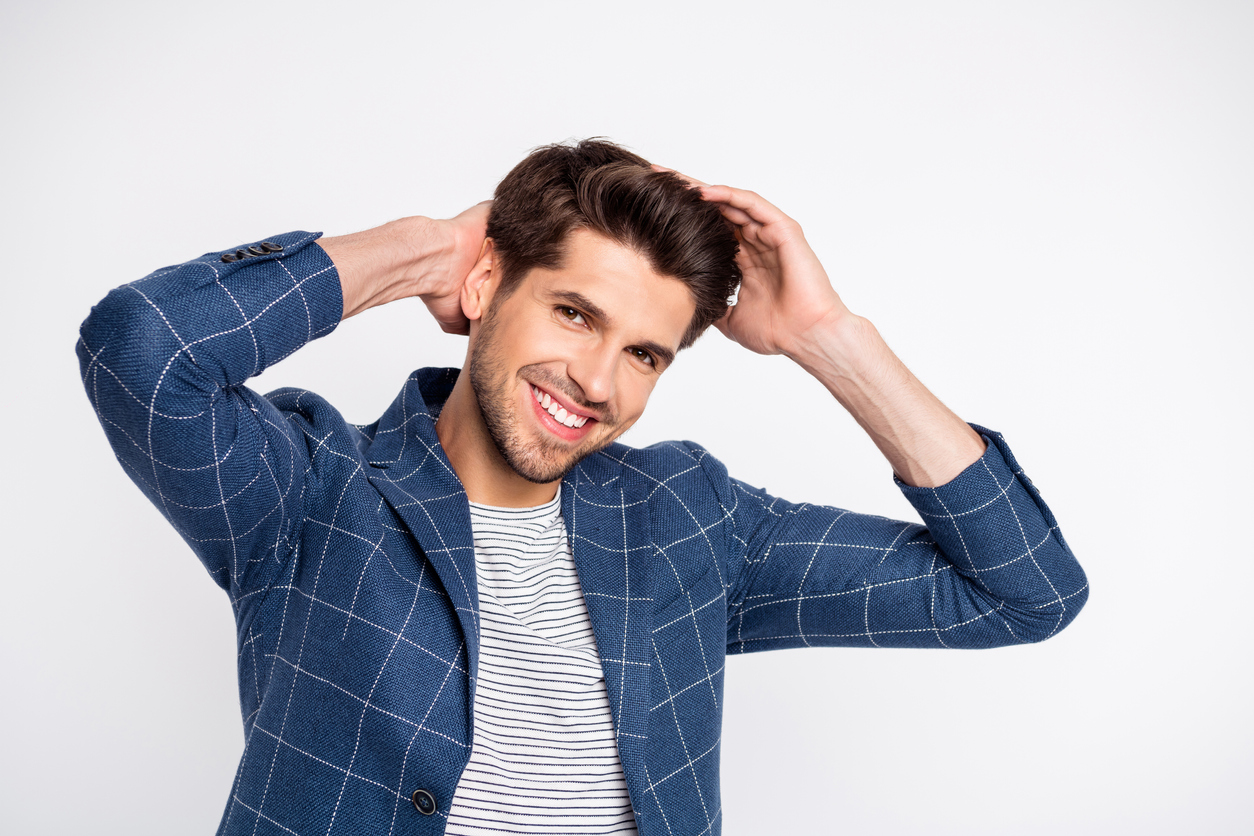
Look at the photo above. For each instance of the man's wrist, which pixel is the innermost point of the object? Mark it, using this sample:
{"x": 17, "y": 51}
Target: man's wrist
{"x": 389, "y": 262}
{"x": 424, "y": 247}
{"x": 841, "y": 346}
{"x": 925, "y": 442}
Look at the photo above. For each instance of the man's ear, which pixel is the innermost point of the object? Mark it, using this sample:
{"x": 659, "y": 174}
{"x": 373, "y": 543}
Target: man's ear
{"x": 481, "y": 283}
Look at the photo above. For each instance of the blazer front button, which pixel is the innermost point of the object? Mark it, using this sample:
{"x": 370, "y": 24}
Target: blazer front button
{"x": 424, "y": 802}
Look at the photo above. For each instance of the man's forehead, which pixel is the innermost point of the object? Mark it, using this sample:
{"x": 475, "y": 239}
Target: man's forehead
{"x": 619, "y": 287}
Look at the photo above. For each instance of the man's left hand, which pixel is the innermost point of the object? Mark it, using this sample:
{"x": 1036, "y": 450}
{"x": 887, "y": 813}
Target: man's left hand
{"x": 785, "y": 293}
{"x": 787, "y": 306}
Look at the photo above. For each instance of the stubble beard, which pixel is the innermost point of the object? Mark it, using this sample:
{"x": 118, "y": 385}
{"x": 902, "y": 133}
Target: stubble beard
{"x": 540, "y": 461}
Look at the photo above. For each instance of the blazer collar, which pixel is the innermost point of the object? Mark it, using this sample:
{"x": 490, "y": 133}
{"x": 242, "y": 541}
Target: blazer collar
{"x": 408, "y": 426}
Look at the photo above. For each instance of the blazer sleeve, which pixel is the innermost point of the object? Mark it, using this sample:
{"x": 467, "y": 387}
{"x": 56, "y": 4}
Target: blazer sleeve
{"x": 164, "y": 361}
{"x": 988, "y": 568}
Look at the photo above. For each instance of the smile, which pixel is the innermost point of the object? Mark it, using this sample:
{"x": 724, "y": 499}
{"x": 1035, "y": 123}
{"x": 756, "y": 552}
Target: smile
{"x": 559, "y": 412}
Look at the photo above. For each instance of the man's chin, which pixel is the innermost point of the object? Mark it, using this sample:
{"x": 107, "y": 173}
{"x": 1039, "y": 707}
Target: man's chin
{"x": 541, "y": 476}
{"x": 550, "y": 466}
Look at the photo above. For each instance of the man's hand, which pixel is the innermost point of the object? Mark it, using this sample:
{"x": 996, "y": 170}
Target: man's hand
{"x": 786, "y": 294}
{"x": 787, "y": 306}
{"x": 414, "y": 256}
{"x": 442, "y": 285}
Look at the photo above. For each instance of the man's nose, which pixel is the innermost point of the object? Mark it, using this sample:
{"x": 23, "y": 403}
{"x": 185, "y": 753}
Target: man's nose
{"x": 593, "y": 371}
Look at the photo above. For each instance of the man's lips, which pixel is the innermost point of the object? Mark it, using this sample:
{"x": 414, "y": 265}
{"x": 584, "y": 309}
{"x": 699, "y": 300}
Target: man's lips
{"x": 547, "y": 399}
{"x": 560, "y": 416}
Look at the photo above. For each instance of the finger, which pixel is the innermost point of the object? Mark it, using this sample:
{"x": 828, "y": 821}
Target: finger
{"x": 751, "y": 203}
{"x": 461, "y": 327}
{"x": 477, "y": 212}
{"x": 690, "y": 180}
{"x": 448, "y": 314}
{"x": 721, "y": 323}
{"x": 748, "y": 231}
{"x": 737, "y": 216}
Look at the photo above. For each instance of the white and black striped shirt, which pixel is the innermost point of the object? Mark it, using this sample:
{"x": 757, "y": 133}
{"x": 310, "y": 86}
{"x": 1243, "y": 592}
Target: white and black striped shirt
{"x": 544, "y": 758}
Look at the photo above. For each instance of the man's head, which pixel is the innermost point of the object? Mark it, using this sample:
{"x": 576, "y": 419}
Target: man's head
{"x": 599, "y": 186}
{"x": 597, "y": 272}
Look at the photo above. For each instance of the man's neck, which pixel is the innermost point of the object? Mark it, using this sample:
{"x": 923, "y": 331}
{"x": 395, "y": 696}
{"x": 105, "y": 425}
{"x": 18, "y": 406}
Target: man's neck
{"x": 484, "y": 474}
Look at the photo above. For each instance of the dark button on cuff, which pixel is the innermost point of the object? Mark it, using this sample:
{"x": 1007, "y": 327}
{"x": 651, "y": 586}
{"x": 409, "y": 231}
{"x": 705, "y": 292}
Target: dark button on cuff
{"x": 228, "y": 258}
{"x": 271, "y": 247}
{"x": 255, "y": 250}
{"x": 424, "y": 802}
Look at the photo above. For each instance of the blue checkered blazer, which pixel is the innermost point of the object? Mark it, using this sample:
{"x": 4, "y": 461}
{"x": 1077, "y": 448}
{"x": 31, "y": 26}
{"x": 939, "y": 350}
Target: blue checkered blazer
{"x": 347, "y": 554}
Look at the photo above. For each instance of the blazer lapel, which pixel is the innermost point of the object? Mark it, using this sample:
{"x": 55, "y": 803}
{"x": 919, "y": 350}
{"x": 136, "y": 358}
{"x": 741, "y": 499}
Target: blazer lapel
{"x": 608, "y": 525}
{"x": 409, "y": 469}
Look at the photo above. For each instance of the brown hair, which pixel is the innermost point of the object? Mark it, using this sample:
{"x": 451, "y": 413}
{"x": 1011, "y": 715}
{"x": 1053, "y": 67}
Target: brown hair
{"x": 598, "y": 185}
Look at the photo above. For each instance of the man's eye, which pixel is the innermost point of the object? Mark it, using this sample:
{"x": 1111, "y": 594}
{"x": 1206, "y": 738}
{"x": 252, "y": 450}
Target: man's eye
{"x": 642, "y": 355}
{"x": 571, "y": 314}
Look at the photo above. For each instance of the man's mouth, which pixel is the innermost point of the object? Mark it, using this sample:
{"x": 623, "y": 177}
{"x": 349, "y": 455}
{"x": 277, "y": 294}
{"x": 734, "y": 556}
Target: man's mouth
{"x": 561, "y": 413}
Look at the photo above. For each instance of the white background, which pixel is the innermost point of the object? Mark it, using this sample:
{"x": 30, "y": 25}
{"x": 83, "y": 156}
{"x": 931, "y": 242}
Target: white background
{"x": 1047, "y": 209}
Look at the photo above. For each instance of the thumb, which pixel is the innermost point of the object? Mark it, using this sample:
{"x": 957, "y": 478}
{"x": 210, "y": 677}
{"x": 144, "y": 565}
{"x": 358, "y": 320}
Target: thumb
{"x": 448, "y": 313}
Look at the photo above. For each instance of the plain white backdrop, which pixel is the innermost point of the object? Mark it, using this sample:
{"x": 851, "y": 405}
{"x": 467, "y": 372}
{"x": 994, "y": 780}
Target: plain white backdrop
{"x": 1047, "y": 209}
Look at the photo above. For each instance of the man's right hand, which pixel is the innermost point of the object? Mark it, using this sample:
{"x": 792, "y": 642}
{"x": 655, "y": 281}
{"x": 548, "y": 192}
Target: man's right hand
{"x": 414, "y": 256}
{"x": 442, "y": 287}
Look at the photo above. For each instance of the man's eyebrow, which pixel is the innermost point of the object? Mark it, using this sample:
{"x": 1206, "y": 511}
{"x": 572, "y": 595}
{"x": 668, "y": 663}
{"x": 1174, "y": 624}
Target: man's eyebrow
{"x": 583, "y": 303}
{"x": 577, "y": 300}
{"x": 665, "y": 355}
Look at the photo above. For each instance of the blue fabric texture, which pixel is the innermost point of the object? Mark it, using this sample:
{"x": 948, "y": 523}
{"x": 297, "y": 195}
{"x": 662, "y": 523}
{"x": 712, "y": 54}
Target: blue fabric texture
{"x": 348, "y": 557}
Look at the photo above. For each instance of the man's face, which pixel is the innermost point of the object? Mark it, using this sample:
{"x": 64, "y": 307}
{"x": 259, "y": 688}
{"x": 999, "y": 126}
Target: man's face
{"x": 566, "y": 363}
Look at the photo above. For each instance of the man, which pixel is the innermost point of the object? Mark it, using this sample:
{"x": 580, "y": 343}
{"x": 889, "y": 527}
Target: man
{"x": 479, "y": 614}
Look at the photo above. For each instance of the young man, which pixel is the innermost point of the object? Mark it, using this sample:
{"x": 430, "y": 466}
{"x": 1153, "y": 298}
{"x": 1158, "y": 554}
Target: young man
{"x": 479, "y": 614}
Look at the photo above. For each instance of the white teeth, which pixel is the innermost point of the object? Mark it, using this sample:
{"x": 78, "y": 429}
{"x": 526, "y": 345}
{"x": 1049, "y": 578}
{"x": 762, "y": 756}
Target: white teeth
{"x": 558, "y": 412}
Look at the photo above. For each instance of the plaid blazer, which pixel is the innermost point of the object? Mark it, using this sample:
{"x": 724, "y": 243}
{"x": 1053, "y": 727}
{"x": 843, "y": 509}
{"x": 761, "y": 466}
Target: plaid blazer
{"x": 347, "y": 554}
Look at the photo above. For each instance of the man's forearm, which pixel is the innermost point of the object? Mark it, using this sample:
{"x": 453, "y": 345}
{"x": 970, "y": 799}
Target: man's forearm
{"x": 383, "y": 264}
{"x": 926, "y": 443}
{"x": 165, "y": 361}
{"x": 414, "y": 256}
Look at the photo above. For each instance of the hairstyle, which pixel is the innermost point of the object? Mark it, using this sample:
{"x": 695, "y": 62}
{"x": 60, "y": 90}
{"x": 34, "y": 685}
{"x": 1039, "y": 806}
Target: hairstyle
{"x": 600, "y": 186}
